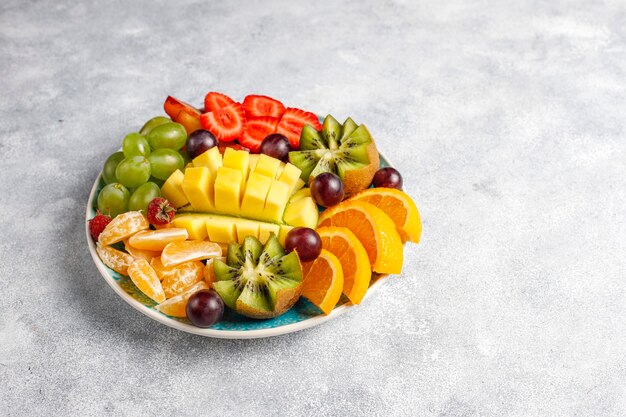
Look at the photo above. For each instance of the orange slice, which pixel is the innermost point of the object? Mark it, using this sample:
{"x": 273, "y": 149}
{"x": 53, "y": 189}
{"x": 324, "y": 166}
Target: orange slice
{"x": 374, "y": 229}
{"x": 144, "y": 278}
{"x": 123, "y": 226}
{"x": 115, "y": 259}
{"x": 190, "y": 250}
{"x": 355, "y": 263}
{"x": 177, "y": 305}
{"x": 148, "y": 255}
{"x": 157, "y": 239}
{"x": 323, "y": 281}
{"x": 177, "y": 279}
{"x": 399, "y": 206}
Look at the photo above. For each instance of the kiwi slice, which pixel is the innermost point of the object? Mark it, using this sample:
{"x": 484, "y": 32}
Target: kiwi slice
{"x": 347, "y": 150}
{"x": 258, "y": 281}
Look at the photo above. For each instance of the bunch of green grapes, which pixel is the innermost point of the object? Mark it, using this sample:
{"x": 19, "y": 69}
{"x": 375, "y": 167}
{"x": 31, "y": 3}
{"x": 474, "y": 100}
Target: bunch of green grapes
{"x": 134, "y": 176}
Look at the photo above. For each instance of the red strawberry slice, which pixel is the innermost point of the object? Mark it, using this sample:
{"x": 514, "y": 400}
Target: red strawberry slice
{"x": 293, "y": 121}
{"x": 256, "y": 130}
{"x": 226, "y": 124}
{"x": 215, "y": 101}
{"x": 260, "y": 106}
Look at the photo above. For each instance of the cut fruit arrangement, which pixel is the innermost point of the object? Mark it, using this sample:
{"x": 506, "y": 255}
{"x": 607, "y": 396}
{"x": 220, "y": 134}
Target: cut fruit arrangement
{"x": 249, "y": 206}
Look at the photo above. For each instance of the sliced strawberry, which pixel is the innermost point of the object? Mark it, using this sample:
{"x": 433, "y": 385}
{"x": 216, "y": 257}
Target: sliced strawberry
{"x": 226, "y": 124}
{"x": 173, "y": 106}
{"x": 261, "y": 106}
{"x": 223, "y": 145}
{"x": 293, "y": 121}
{"x": 256, "y": 130}
{"x": 215, "y": 101}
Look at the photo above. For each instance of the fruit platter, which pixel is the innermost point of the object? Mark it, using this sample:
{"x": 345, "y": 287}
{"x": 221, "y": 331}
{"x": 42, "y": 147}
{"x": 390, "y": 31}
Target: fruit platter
{"x": 247, "y": 219}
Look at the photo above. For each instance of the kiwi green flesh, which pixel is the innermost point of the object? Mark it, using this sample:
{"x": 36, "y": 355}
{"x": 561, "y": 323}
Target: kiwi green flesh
{"x": 331, "y": 131}
{"x": 273, "y": 248}
{"x": 305, "y": 160}
{"x": 360, "y": 136}
{"x": 348, "y": 127}
{"x": 234, "y": 255}
{"x": 311, "y": 139}
{"x": 228, "y": 291}
{"x": 224, "y": 272}
{"x": 252, "y": 248}
{"x": 288, "y": 267}
{"x": 325, "y": 164}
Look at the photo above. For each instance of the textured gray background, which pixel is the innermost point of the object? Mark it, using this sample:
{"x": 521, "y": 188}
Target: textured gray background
{"x": 507, "y": 121}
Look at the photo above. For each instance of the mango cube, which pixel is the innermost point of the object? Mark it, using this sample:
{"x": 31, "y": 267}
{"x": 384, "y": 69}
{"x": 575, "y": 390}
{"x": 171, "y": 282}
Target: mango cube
{"x": 290, "y": 176}
{"x": 238, "y": 160}
{"x": 254, "y": 196}
{"x": 302, "y": 212}
{"x": 275, "y": 202}
{"x": 246, "y": 228}
{"x": 228, "y": 190}
{"x": 221, "y": 230}
{"x": 198, "y": 188}
{"x": 172, "y": 189}
{"x": 252, "y": 161}
{"x": 267, "y": 166}
{"x": 211, "y": 159}
{"x": 194, "y": 223}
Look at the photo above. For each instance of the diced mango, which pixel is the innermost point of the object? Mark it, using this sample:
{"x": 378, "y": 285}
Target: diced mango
{"x": 246, "y": 228}
{"x": 267, "y": 166}
{"x": 173, "y": 191}
{"x": 194, "y": 223}
{"x": 282, "y": 234}
{"x": 211, "y": 159}
{"x": 228, "y": 190}
{"x": 304, "y": 192}
{"x": 302, "y": 212}
{"x": 254, "y": 196}
{"x": 198, "y": 188}
{"x": 290, "y": 176}
{"x": 238, "y": 160}
{"x": 253, "y": 159}
{"x": 276, "y": 201}
{"x": 265, "y": 229}
{"x": 221, "y": 230}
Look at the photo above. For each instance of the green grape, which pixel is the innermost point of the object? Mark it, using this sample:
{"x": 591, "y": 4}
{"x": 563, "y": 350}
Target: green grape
{"x": 154, "y": 122}
{"x": 133, "y": 171}
{"x": 165, "y": 161}
{"x": 113, "y": 199}
{"x": 135, "y": 144}
{"x": 142, "y": 196}
{"x": 108, "y": 171}
{"x": 168, "y": 135}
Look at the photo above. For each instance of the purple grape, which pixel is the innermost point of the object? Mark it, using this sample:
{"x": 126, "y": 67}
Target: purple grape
{"x": 199, "y": 142}
{"x": 388, "y": 177}
{"x": 205, "y": 308}
{"x": 327, "y": 189}
{"x": 276, "y": 146}
{"x": 306, "y": 242}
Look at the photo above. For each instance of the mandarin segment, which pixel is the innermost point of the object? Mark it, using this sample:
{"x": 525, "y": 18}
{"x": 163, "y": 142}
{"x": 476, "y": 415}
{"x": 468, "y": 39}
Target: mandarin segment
{"x": 176, "y": 279}
{"x": 176, "y": 306}
{"x": 115, "y": 259}
{"x": 148, "y": 255}
{"x": 323, "y": 281}
{"x": 190, "y": 250}
{"x": 123, "y": 226}
{"x": 157, "y": 240}
{"x": 145, "y": 278}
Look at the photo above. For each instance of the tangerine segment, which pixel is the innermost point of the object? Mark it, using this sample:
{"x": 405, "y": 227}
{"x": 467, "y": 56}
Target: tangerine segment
{"x": 323, "y": 281}
{"x": 148, "y": 255}
{"x": 189, "y": 250}
{"x": 355, "y": 264}
{"x": 374, "y": 229}
{"x": 177, "y": 305}
{"x": 399, "y": 206}
{"x": 144, "y": 278}
{"x": 123, "y": 226}
{"x": 157, "y": 239}
{"x": 177, "y": 279}
{"x": 115, "y": 259}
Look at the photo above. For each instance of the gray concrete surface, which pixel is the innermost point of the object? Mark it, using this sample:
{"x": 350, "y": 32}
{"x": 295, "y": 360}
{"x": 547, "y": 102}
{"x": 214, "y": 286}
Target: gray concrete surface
{"x": 506, "y": 119}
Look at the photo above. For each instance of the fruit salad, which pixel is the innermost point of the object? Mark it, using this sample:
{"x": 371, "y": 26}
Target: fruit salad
{"x": 250, "y": 206}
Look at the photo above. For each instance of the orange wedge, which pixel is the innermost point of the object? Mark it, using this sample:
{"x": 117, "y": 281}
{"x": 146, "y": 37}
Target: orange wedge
{"x": 146, "y": 279}
{"x": 374, "y": 229}
{"x": 189, "y": 250}
{"x": 355, "y": 263}
{"x": 157, "y": 239}
{"x": 323, "y": 281}
{"x": 148, "y": 255}
{"x": 177, "y": 279}
{"x": 399, "y": 206}
{"x": 123, "y": 226}
{"x": 177, "y": 305}
{"x": 115, "y": 259}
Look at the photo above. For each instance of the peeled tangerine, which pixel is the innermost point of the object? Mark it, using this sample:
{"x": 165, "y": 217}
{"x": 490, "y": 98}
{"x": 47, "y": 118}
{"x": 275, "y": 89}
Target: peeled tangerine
{"x": 145, "y": 278}
{"x": 148, "y": 255}
{"x": 190, "y": 250}
{"x": 177, "y": 305}
{"x": 115, "y": 259}
{"x": 123, "y": 226}
{"x": 156, "y": 240}
{"x": 177, "y": 279}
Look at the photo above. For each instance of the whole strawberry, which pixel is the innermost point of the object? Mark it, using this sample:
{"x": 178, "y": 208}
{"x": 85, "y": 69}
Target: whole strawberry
{"x": 97, "y": 224}
{"x": 160, "y": 211}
